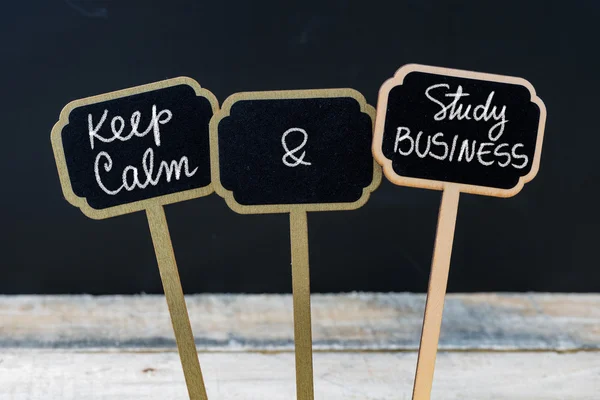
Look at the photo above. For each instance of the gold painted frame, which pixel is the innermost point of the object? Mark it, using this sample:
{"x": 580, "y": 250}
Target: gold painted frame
{"x": 224, "y": 112}
{"x": 140, "y": 205}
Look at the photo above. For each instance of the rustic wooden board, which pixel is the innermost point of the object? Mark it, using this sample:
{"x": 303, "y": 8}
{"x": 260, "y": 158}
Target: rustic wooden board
{"x": 43, "y": 374}
{"x": 558, "y": 322}
{"x": 498, "y": 347}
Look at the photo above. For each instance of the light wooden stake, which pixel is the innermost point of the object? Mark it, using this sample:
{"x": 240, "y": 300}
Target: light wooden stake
{"x": 438, "y": 281}
{"x": 464, "y": 182}
{"x": 301, "y": 298}
{"x": 176, "y": 302}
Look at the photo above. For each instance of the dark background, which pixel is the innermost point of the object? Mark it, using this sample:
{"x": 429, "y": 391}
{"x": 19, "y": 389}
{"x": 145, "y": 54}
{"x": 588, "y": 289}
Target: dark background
{"x": 544, "y": 239}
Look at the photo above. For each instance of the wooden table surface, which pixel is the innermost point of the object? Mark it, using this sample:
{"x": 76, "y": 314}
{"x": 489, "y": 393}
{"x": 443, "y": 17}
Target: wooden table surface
{"x": 493, "y": 346}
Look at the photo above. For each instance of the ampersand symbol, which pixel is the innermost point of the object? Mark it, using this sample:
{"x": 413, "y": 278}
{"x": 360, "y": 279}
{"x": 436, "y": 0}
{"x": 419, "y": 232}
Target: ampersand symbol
{"x": 290, "y": 154}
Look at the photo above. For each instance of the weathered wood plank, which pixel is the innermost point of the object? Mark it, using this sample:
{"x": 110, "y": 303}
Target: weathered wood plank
{"x": 30, "y": 374}
{"x": 366, "y": 321}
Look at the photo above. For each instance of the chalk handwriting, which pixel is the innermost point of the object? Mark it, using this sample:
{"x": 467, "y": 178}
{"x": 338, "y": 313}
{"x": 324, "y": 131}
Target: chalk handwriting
{"x": 435, "y": 146}
{"x": 291, "y": 154}
{"x": 117, "y": 125}
{"x": 130, "y": 176}
{"x": 455, "y": 110}
{"x": 486, "y": 152}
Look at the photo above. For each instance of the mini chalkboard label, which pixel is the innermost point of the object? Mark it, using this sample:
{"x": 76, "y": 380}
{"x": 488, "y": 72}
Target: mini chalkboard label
{"x": 309, "y": 148}
{"x": 435, "y": 125}
{"x": 293, "y": 152}
{"x": 139, "y": 149}
{"x": 456, "y": 131}
{"x": 123, "y": 151}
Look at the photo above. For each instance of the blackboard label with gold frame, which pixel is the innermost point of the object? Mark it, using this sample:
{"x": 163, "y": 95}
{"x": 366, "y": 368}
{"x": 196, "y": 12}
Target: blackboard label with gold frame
{"x": 139, "y": 149}
{"x": 292, "y": 152}
{"x": 124, "y": 151}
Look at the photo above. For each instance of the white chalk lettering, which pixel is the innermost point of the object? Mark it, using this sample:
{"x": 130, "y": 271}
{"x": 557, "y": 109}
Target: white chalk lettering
{"x": 117, "y": 125}
{"x": 456, "y": 110}
{"x": 291, "y": 153}
{"x": 499, "y": 153}
{"x": 130, "y": 177}
{"x": 400, "y": 138}
{"x": 435, "y": 142}
{"x": 481, "y": 152}
{"x": 464, "y": 150}
{"x": 107, "y": 167}
{"x": 519, "y": 157}
{"x": 422, "y": 155}
{"x": 453, "y": 147}
{"x": 460, "y": 150}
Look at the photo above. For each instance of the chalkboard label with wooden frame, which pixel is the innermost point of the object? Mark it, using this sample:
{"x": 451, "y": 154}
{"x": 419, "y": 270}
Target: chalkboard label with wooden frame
{"x": 300, "y": 149}
{"x": 479, "y": 131}
{"x": 123, "y": 151}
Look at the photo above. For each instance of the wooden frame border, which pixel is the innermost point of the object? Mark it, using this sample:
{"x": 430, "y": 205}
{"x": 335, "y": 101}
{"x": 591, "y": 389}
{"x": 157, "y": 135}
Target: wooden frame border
{"x": 139, "y": 205}
{"x": 224, "y": 112}
{"x": 393, "y": 177}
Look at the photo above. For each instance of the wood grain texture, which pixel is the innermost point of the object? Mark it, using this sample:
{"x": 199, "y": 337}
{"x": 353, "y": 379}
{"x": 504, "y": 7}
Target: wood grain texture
{"x": 41, "y": 374}
{"x": 527, "y": 347}
{"x": 359, "y": 321}
{"x": 436, "y": 293}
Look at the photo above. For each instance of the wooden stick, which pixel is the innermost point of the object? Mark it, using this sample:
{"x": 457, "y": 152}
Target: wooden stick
{"x": 301, "y": 299}
{"x": 176, "y": 302}
{"x": 438, "y": 280}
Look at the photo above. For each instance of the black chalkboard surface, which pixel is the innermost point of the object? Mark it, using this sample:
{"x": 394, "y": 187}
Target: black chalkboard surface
{"x": 117, "y": 152}
{"x": 273, "y": 150}
{"x": 481, "y": 131}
